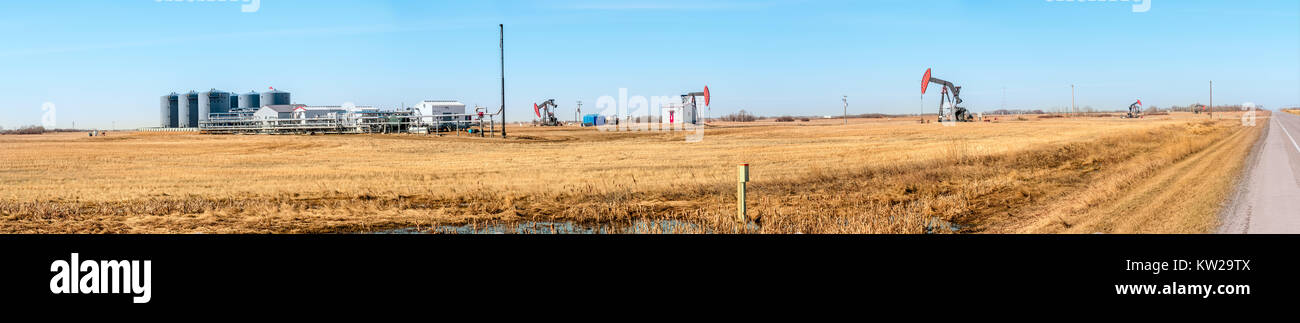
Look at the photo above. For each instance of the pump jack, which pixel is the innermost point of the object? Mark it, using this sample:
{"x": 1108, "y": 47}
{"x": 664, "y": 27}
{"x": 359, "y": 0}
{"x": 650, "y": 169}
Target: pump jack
{"x": 548, "y": 120}
{"x": 691, "y": 111}
{"x": 1134, "y": 110}
{"x": 959, "y": 114}
{"x": 1198, "y": 108}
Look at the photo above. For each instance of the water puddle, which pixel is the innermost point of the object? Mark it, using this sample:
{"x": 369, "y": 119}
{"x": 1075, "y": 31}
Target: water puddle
{"x": 941, "y": 226}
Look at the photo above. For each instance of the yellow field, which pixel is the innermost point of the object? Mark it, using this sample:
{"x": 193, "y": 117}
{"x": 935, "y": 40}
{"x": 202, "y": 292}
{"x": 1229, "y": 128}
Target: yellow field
{"x": 1160, "y": 174}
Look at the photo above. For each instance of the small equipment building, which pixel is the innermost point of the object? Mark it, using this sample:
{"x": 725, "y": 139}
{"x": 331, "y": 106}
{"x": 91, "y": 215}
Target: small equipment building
{"x": 275, "y": 112}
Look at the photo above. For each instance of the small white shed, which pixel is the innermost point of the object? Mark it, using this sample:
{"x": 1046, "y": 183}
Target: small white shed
{"x": 274, "y": 112}
{"x": 431, "y": 108}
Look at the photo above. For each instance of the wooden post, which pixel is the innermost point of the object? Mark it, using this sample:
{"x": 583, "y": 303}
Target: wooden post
{"x": 740, "y": 192}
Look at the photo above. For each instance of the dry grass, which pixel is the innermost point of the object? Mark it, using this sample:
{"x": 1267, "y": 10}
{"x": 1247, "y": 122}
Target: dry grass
{"x": 1177, "y": 187}
{"x": 1293, "y": 111}
{"x": 873, "y": 176}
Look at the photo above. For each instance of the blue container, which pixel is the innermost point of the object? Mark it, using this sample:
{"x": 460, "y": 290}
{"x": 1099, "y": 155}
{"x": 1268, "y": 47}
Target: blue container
{"x": 593, "y": 120}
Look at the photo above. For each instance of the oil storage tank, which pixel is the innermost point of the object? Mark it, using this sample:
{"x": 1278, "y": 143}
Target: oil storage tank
{"x": 187, "y": 110}
{"x": 275, "y": 97}
{"x": 250, "y": 101}
{"x": 167, "y": 109}
{"x": 213, "y": 101}
{"x": 234, "y": 101}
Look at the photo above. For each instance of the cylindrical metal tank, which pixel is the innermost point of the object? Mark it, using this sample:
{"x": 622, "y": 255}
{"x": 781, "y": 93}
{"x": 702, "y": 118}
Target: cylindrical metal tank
{"x": 234, "y": 101}
{"x": 213, "y": 101}
{"x": 187, "y": 110}
{"x": 275, "y": 97}
{"x": 250, "y": 100}
{"x": 167, "y": 109}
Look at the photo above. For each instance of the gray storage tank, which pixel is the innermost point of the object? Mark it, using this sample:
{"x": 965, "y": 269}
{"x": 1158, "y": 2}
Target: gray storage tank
{"x": 250, "y": 101}
{"x": 213, "y": 101}
{"x": 187, "y": 110}
{"x": 234, "y": 101}
{"x": 167, "y": 109}
{"x": 275, "y": 97}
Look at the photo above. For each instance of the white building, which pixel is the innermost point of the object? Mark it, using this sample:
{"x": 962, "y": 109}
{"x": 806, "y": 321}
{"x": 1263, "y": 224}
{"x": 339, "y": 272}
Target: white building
{"x": 431, "y": 108}
{"x": 348, "y": 115}
{"x": 329, "y": 111}
{"x": 310, "y": 112}
{"x": 275, "y": 112}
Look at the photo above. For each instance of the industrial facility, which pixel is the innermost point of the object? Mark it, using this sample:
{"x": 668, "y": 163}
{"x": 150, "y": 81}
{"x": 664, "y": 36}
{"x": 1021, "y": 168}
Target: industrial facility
{"x": 688, "y": 111}
{"x": 273, "y": 112}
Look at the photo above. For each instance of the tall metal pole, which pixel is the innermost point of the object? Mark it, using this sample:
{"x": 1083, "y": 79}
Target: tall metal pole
{"x": 846, "y": 110}
{"x": 1073, "y": 107}
{"x": 503, "y": 80}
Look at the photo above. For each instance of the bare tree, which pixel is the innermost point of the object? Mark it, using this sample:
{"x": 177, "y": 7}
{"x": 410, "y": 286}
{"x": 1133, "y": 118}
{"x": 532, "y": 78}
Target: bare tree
{"x": 741, "y": 116}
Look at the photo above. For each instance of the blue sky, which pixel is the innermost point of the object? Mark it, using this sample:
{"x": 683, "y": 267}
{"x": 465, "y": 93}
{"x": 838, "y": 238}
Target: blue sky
{"x": 107, "y": 62}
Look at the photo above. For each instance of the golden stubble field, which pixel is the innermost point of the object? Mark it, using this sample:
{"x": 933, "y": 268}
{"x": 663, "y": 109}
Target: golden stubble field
{"x": 1162, "y": 174}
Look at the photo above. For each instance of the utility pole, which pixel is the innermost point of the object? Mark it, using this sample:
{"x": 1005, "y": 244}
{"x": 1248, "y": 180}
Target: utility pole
{"x": 1004, "y": 98}
{"x": 577, "y": 115}
{"x": 503, "y": 79}
{"x": 1211, "y": 109}
{"x": 846, "y": 110}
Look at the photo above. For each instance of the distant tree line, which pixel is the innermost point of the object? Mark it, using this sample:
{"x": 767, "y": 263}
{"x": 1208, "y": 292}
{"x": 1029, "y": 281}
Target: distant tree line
{"x": 34, "y": 130}
{"x": 742, "y": 116}
{"x": 28, "y": 130}
{"x": 1217, "y": 108}
{"x": 1003, "y": 112}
